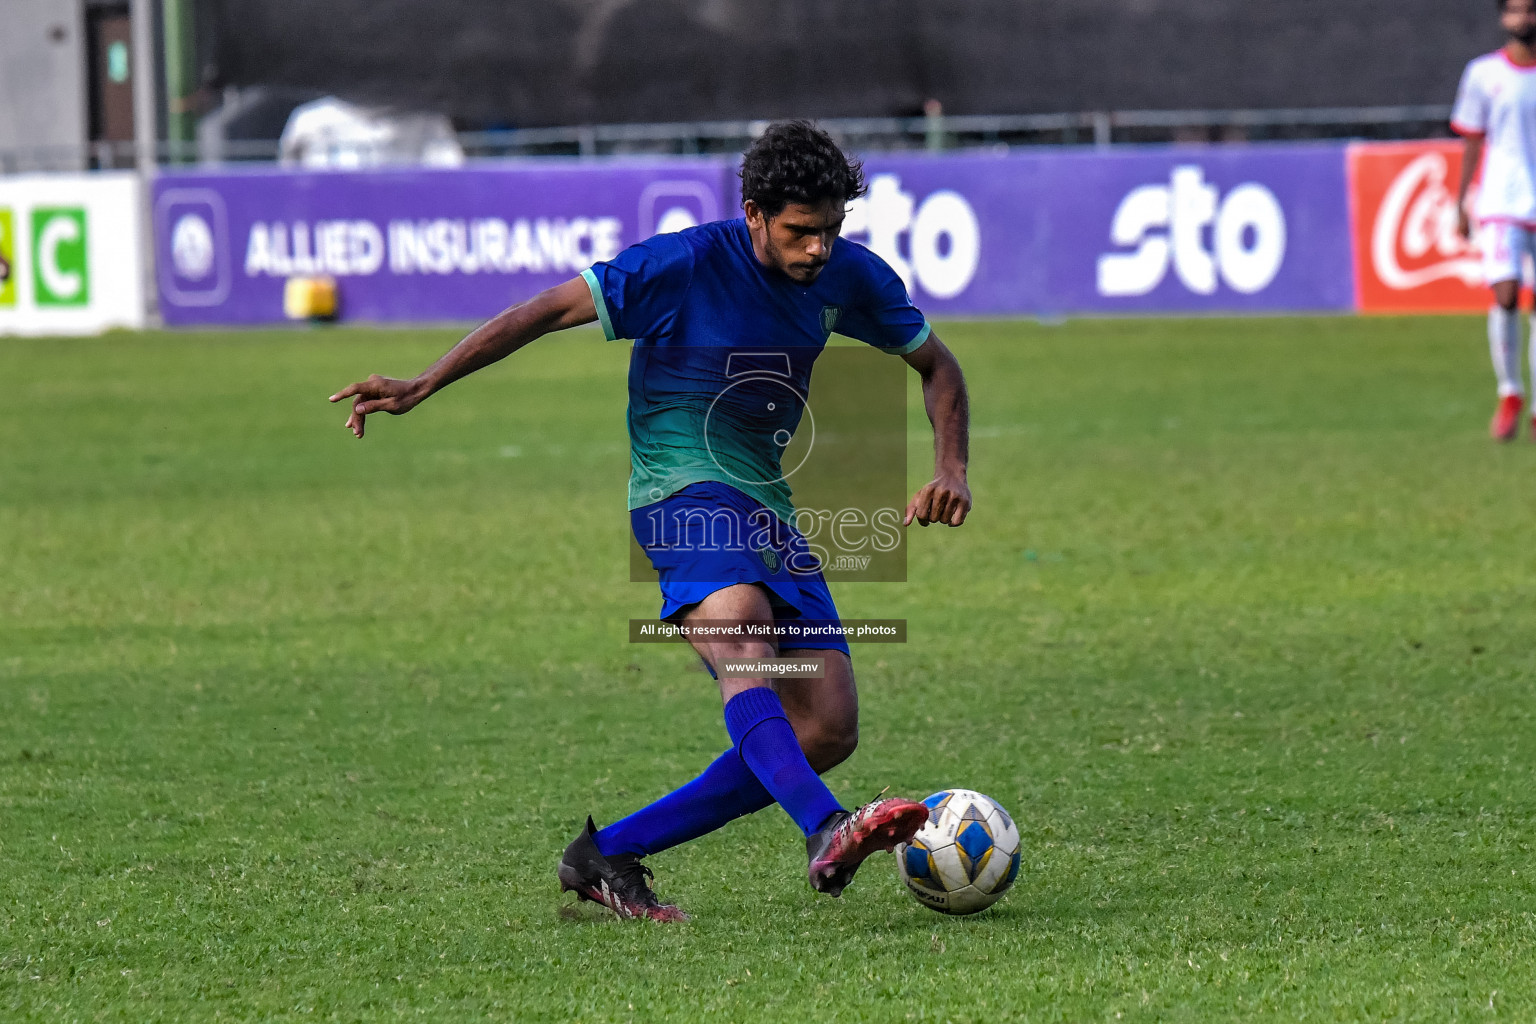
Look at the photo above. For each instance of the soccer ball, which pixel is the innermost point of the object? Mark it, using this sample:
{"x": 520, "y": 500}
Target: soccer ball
{"x": 965, "y": 858}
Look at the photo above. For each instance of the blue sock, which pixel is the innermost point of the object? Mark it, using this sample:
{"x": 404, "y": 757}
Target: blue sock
{"x": 726, "y": 791}
{"x": 756, "y": 722}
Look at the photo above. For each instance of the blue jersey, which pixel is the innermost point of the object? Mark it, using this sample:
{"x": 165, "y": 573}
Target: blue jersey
{"x": 724, "y": 347}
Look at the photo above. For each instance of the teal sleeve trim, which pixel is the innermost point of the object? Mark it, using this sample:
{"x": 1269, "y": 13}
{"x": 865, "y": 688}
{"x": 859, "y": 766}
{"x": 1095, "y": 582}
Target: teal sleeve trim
{"x": 602, "y": 306}
{"x": 915, "y": 344}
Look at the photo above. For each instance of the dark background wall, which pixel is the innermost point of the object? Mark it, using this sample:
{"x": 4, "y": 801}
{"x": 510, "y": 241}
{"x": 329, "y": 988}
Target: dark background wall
{"x": 539, "y": 62}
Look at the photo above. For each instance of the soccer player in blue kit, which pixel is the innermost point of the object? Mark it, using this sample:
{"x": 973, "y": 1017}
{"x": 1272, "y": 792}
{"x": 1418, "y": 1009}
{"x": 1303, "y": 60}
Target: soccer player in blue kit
{"x": 775, "y": 283}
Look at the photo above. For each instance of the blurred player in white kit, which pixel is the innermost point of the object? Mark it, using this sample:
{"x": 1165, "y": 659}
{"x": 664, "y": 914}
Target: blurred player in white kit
{"x": 1496, "y": 114}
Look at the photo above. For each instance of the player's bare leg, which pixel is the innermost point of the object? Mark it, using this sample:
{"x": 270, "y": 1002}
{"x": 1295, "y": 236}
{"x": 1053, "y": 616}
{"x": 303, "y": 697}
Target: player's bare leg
{"x": 825, "y": 711}
{"x": 743, "y": 604}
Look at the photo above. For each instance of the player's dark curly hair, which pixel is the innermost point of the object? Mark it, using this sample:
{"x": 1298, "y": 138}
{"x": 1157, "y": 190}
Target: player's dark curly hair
{"x": 797, "y": 162}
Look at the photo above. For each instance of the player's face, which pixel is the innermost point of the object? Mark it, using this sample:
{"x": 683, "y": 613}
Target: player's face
{"x": 798, "y": 241}
{"x": 1519, "y": 20}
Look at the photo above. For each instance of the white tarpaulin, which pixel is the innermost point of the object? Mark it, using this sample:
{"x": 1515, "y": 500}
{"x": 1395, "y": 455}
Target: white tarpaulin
{"x": 332, "y": 133}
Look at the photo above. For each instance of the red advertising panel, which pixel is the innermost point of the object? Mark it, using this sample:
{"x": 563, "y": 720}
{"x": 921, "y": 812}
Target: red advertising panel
{"x": 1408, "y": 256}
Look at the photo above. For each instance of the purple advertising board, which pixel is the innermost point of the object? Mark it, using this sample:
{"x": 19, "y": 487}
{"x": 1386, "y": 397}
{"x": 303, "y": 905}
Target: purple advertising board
{"x": 410, "y": 245}
{"x": 1154, "y": 229}
{"x": 1239, "y": 228}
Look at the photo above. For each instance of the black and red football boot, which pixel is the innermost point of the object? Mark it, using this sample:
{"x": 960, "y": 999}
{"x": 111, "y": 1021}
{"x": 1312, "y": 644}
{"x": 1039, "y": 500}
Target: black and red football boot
{"x": 617, "y": 882}
{"x": 846, "y": 839}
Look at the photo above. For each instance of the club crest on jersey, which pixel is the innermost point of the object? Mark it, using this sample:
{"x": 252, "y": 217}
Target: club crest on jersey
{"x": 829, "y": 317}
{"x": 770, "y": 558}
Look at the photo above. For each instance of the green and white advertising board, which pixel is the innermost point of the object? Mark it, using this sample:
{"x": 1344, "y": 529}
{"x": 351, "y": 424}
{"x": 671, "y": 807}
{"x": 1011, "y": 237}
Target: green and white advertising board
{"x": 71, "y": 253}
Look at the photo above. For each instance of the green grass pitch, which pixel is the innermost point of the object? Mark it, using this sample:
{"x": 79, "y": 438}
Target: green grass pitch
{"x": 294, "y": 727}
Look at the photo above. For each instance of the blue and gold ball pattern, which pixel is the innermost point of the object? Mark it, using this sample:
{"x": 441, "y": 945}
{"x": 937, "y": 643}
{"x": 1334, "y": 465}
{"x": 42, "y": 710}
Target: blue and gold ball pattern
{"x": 965, "y": 857}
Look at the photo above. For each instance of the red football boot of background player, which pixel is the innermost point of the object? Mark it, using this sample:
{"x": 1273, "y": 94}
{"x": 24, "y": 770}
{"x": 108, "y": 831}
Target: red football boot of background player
{"x": 1506, "y": 418}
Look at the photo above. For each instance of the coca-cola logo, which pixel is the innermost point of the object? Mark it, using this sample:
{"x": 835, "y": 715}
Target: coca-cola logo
{"x": 1414, "y": 241}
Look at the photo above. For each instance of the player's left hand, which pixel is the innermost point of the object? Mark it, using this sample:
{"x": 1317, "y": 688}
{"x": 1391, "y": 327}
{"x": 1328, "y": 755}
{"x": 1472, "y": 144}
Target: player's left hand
{"x": 946, "y": 499}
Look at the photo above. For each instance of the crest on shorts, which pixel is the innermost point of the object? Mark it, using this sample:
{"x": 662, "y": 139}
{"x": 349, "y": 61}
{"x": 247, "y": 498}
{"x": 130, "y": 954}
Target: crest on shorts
{"x": 829, "y": 317}
{"x": 770, "y": 558}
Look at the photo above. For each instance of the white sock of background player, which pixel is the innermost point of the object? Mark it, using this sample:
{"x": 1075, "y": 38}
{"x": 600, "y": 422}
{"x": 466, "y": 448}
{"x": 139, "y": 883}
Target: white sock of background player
{"x": 1504, "y": 347}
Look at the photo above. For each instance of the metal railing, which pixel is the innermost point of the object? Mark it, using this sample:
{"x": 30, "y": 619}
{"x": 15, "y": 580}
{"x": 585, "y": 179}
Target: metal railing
{"x": 883, "y": 134}
{"x": 865, "y": 134}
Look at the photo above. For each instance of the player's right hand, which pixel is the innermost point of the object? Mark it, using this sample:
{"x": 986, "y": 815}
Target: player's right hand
{"x": 946, "y": 499}
{"x": 379, "y": 394}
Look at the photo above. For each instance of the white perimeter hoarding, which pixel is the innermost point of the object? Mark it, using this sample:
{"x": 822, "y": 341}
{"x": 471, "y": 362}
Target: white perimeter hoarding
{"x": 71, "y": 253}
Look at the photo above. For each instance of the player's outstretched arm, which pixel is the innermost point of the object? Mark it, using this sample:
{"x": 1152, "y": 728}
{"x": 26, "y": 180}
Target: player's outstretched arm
{"x": 555, "y": 309}
{"x": 946, "y": 498}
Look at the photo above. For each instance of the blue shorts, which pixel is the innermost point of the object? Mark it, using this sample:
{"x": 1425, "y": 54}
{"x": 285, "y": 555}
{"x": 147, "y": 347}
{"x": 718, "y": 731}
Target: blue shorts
{"x": 710, "y": 536}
